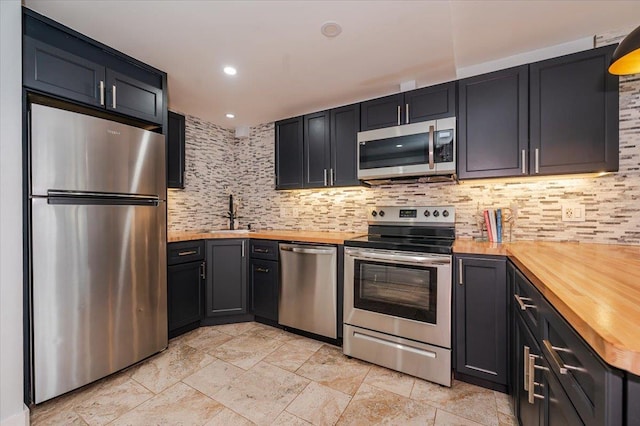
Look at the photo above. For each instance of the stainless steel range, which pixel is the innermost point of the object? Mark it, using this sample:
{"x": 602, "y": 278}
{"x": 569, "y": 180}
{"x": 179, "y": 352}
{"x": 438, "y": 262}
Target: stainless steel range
{"x": 397, "y": 291}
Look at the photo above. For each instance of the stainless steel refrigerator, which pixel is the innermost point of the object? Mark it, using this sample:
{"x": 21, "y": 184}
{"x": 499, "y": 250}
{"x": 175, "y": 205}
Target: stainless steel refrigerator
{"x": 97, "y": 248}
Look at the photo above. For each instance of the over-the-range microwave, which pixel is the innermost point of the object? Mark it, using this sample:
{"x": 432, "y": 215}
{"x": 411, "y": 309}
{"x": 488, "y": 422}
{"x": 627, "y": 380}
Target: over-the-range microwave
{"x": 410, "y": 150}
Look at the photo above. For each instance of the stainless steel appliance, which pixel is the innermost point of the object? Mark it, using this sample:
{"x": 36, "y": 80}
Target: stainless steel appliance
{"x": 397, "y": 291}
{"x": 97, "y": 248}
{"x": 309, "y": 288}
{"x": 418, "y": 149}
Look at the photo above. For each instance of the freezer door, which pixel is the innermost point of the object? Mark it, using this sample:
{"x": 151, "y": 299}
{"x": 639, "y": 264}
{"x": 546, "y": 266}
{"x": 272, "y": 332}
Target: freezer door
{"x": 71, "y": 151}
{"x": 99, "y": 291}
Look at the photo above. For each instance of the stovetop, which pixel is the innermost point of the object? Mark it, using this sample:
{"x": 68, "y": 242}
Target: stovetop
{"x": 421, "y": 245}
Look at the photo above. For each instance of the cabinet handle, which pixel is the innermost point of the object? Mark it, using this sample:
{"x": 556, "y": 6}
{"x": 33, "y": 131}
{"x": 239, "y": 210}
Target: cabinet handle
{"x": 524, "y": 162}
{"x": 101, "y": 92}
{"x": 331, "y": 177}
{"x": 432, "y": 129}
{"x": 260, "y": 250}
{"x": 187, "y": 253}
{"x": 203, "y": 274}
{"x": 555, "y": 357}
{"x": 537, "y": 160}
{"x": 325, "y": 177}
{"x": 399, "y": 109}
{"x": 113, "y": 100}
{"x": 242, "y": 245}
{"x": 460, "y": 272}
{"x": 525, "y": 373}
{"x": 532, "y": 383}
{"x": 265, "y": 270}
{"x": 406, "y": 119}
{"x": 521, "y": 302}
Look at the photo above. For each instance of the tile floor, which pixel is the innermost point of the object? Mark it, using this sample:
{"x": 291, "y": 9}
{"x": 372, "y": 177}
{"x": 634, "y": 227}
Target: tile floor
{"x": 250, "y": 373}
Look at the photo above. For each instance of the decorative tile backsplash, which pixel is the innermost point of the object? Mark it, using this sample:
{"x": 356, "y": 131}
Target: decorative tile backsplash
{"x": 217, "y": 164}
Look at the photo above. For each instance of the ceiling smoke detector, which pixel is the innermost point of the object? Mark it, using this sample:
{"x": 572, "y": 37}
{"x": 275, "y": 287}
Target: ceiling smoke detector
{"x": 331, "y": 29}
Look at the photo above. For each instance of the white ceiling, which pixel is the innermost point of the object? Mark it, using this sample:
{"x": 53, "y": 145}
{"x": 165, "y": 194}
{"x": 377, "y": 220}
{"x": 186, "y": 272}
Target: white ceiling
{"x": 287, "y": 68}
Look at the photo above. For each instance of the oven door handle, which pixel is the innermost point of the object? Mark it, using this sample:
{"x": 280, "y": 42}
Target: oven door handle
{"x": 400, "y": 258}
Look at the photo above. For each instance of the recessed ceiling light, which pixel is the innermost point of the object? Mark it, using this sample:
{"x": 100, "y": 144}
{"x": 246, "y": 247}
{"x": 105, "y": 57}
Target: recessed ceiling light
{"x": 331, "y": 29}
{"x": 229, "y": 115}
{"x": 230, "y": 70}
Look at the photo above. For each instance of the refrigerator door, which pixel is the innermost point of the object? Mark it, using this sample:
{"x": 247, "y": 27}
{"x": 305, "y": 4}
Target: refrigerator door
{"x": 99, "y": 289}
{"x": 76, "y": 152}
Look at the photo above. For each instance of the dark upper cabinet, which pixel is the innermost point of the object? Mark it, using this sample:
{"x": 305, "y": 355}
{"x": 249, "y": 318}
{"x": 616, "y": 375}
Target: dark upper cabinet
{"x": 226, "y": 289}
{"x": 574, "y": 114}
{"x": 264, "y": 288}
{"x": 176, "y": 150}
{"x": 289, "y": 153}
{"x": 317, "y": 156}
{"x": 345, "y": 123}
{"x": 480, "y": 290}
{"x": 493, "y": 124}
{"x": 428, "y": 103}
{"x": 66, "y": 64}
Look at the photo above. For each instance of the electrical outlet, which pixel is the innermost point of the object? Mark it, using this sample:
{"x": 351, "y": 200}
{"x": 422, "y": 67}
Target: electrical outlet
{"x": 573, "y": 213}
{"x": 283, "y": 212}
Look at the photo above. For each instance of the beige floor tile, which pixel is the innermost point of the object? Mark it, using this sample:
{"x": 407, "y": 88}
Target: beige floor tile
{"x": 110, "y": 399}
{"x": 56, "y": 410}
{"x": 390, "y": 380}
{"x": 371, "y": 405}
{"x": 289, "y": 356}
{"x": 213, "y": 377}
{"x": 507, "y": 419}
{"x": 206, "y": 339}
{"x": 261, "y": 393}
{"x": 330, "y": 367}
{"x": 177, "y": 405}
{"x": 170, "y": 366}
{"x": 503, "y": 403}
{"x": 288, "y": 419}
{"x": 228, "y": 418}
{"x": 463, "y": 399}
{"x": 273, "y": 333}
{"x": 59, "y": 416}
{"x": 319, "y": 405}
{"x": 246, "y": 350}
{"x": 237, "y": 328}
{"x": 444, "y": 418}
{"x": 307, "y": 343}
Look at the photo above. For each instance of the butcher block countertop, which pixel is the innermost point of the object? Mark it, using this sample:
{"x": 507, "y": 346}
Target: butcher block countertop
{"x": 326, "y": 237}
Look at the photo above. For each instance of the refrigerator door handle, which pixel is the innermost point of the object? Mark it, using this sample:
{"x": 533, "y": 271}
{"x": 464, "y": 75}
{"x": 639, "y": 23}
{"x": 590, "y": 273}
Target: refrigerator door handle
{"x": 86, "y": 197}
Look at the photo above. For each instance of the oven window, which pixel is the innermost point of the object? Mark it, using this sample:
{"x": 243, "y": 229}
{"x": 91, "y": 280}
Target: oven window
{"x": 394, "y": 289}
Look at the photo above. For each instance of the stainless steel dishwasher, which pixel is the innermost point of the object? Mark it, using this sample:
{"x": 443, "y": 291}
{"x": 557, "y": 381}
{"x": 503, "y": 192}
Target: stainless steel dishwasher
{"x": 309, "y": 288}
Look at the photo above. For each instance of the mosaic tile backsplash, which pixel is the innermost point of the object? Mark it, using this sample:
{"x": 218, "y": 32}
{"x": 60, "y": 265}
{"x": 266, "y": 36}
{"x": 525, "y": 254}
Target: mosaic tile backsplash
{"x": 219, "y": 164}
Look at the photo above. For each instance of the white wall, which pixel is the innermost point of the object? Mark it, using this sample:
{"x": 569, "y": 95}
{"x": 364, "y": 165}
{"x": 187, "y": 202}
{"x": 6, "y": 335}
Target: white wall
{"x": 12, "y": 409}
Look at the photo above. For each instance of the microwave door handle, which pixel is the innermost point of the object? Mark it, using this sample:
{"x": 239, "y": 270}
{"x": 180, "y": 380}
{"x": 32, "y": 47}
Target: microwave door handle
{"x": 431, "y": 134}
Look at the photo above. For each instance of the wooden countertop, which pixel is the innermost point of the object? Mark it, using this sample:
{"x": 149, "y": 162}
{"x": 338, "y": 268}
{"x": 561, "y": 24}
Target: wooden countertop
{"x": 326, "y": 237}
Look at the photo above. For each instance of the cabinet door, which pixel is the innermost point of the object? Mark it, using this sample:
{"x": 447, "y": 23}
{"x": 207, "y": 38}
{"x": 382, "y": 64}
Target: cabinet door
{"x": 289, "y": 153}
{"x": 264, "y": 288}
{"x": 61, "y": 73}
{"x": 493, "y": 124}
{"x": 129, "y": 96}
{"x": 481, "y": 318}
{"x": 175, "y": 151}
{"x": 574, "y": 114}
{"x": 226, "y": 292}
{"x": 345, "y": 123}
{"x": 528, "y": 414}
{"x": 184, "y": 294}
{"x": 382, "y": 112}
{"x": 430, "y": 103}
{"x": 316, "y": 150}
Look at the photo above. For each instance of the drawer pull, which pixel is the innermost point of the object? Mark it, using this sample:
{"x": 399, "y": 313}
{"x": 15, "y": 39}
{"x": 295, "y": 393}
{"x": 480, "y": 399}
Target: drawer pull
{"x": 525, "y": 373}
{"x": 260, "y": 250}
{"x": 562, "y": 367}
{"x": 521, "y": 302}
{"x": 187, "y": 253}
{"x": 265, "y": 270}
{"x": 532, "y": 395}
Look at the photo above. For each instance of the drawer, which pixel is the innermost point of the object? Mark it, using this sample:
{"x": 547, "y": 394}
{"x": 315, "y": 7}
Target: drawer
{"x": 185, "y": 251}
{"x": 527, "y": 300}
{"x": 264, "y": 249}
{"x": 594, "y": 388}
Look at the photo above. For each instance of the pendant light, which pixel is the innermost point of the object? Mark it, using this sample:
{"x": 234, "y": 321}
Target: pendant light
{"x": 626, "y": 58}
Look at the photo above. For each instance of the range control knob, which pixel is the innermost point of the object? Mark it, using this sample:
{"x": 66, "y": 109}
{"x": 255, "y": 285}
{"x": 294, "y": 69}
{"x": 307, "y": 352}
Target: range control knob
{"x": 436, "y": 213}
{"x": 374, "y": 213}
{"x": 427, "y": 213}
{"x": 445, "y": 213}
{"x": 381, "y": 213}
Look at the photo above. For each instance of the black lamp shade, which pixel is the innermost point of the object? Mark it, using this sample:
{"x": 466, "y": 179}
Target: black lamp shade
{"x": 626, "y": 58}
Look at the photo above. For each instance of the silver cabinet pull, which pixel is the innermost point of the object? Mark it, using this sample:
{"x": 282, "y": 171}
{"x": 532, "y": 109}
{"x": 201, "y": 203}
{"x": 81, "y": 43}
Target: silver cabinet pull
{"x": 331, "y": 177}
{"x": 203, "y": 275}
{"x": 460, "y": 272}
{"x": 187, "y": 253}
{"x": 325, "y": 177}
{"x": 521, "y": 302}
{"x": 555, "y": 357}
{"x": 101, "y": 92}
{"x": 431, "y": 131}
{"x": 399, "y": 109}
{"x": 537, "y": 160}
{"x": 406, "y": 118}
{"x": 525, "y": 373}
{"x": 532, "y": 395}
{"x": 260, "y": 250}
{"x": 265, "y": 270}
{"x": 524, "y": 162}
{"x": 113, "y": 93}
{"x": 242, "y": 244}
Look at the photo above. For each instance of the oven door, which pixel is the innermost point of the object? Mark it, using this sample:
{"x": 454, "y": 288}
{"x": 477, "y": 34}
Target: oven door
{"x": 405, "y": 294}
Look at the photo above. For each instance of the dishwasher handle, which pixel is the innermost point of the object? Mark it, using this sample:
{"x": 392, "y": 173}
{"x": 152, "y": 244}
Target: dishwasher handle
{"x": 302, "y": 250}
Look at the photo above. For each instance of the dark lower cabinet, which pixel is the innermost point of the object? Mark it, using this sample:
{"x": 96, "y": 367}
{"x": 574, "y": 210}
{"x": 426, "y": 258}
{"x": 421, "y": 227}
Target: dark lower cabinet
{"x": 185, "y": 279}
{"x": 481, "y": 342}
{"x": 264, "y": 288}
{"x": 226, "y": 289}
{"x": 529, "y": 413}
{"x": 176, "y": 151}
